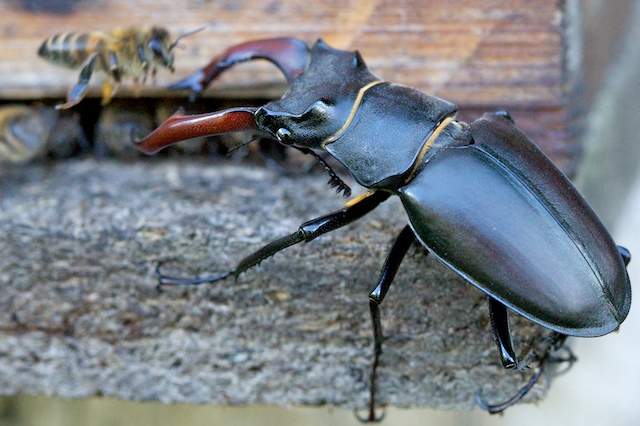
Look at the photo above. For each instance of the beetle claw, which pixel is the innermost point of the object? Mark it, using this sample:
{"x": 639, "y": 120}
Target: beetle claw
{"x": 498, "y": 408}
{"x": 192, "y": 82}
{"x": 166, "y": 280}
{"x": 179, "y": 127}
{"x": 550, "y": 356}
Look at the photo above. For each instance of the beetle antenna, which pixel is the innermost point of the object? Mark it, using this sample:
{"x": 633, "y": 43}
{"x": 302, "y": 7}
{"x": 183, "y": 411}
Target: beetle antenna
{"x": 334, "y": 179}
{"x": 240, "y": 145}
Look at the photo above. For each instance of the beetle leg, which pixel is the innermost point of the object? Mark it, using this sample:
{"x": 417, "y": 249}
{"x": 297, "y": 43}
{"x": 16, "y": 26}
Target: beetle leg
{"x": 626, "y": 255}
{"x": 289, "y": 54}
{"x": 334, "y": 179}
{"x": 498, "y": 408}
{"x": 307, "y": 232}
{"x": 548, "y": 357}
{"x": 502, "y": 334}
{"x": 388, "y": 273}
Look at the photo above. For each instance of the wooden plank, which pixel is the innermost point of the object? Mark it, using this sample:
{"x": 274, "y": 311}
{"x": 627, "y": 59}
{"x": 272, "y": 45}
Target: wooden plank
{"x": 82, "y": 316}
{"x": 82, "y": 238}
{"x": 483, "y": 56}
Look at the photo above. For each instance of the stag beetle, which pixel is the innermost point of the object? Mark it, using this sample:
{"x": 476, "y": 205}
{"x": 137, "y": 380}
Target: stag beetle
{"x": 480, "y": 197}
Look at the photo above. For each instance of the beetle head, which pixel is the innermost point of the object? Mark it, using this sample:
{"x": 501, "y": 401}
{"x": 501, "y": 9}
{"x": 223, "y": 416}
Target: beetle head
{"x": 319, "y": 101}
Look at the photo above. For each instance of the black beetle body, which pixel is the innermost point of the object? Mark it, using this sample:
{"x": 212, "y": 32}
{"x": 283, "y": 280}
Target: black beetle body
{"x": 483, "y": 199}
{"x": 498, "y": 212}
{"x": 480, "y": 197}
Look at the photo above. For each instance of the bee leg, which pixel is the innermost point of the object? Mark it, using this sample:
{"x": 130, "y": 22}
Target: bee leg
{"x": 142, "y": 56}
{"x": 145, "y": 63}
{"x": 108, "y": 91}
{"x": 114, "y": 67}
{"x": 78, "y": 91}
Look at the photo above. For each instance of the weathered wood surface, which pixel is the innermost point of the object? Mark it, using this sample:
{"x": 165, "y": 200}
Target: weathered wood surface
{"x": 481, "y": 55}
{"x": 492, "y": 54}
{"x": 81, "y": 315}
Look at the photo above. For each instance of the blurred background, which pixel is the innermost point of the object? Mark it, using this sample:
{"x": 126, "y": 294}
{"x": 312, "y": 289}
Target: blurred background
{"x": 603, "y": 388}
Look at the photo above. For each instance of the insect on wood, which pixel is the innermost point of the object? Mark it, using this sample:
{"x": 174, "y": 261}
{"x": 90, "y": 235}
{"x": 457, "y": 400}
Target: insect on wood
{"x": 124, "y": 52}
{"x": 480, "y": 197}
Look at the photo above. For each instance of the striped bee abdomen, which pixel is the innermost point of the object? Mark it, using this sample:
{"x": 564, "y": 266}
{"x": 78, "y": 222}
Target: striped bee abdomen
{"x": 70, "y": 49}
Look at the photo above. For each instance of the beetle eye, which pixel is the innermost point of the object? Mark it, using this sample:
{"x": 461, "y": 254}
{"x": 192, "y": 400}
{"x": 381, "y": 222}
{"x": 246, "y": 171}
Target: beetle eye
{"x": 284, "y": 136}
{"x": 322, "y": 104}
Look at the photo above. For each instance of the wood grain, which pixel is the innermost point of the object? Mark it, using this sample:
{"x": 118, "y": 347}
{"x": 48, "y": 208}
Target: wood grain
{"x": 482, "y": 55}
{"x": 478, "y": 54}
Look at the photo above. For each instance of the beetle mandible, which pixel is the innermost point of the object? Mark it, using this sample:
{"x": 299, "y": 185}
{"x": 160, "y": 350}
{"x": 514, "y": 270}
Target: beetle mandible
{"x": 480, "y": 197}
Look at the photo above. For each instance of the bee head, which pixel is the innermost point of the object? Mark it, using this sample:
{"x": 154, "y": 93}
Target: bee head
{"x": 160, "y": 47}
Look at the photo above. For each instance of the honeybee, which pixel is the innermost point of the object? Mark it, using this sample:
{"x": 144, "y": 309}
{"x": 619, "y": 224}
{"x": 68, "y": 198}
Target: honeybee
{"x": 124, "y": 52}
{"x": 23, "y": 133}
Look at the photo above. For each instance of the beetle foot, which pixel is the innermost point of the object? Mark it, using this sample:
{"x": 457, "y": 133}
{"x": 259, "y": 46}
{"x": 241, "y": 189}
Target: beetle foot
{"x": 498, "y": 408}
{"x": 550, "y": 356}
{"x": 568, "y": 358}
{"x": 193, "y": 82}
{"x": 371, "y": 417}
{"x": 166, "y": 280}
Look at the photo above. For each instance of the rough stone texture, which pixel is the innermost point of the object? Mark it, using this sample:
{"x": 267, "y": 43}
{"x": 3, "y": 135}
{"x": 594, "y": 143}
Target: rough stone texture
{"x": 80, "y": 314}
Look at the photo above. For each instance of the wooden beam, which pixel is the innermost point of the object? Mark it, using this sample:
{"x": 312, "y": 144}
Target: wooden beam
{"x": 504, "y": 55}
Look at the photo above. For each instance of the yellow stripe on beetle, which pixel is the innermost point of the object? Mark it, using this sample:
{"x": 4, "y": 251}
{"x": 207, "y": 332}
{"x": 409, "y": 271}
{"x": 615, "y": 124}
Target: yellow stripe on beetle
{"x": 354, "y": 109}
